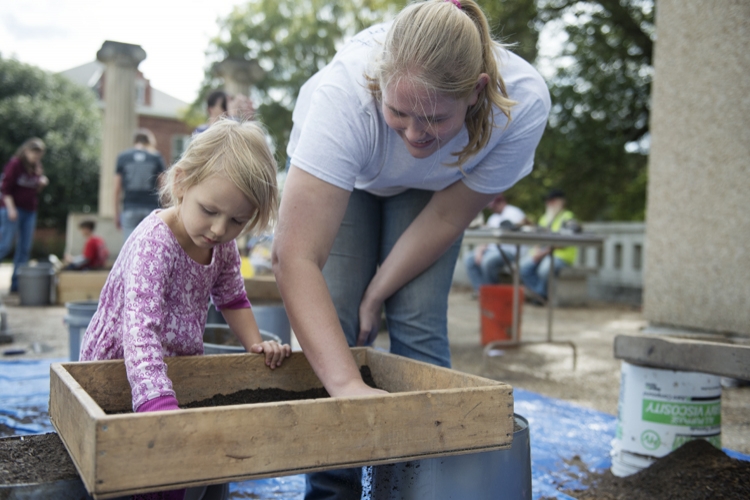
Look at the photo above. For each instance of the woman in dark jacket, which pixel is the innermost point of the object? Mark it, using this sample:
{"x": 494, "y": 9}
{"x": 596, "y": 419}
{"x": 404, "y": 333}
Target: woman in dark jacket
{"x": 23, "y": 179}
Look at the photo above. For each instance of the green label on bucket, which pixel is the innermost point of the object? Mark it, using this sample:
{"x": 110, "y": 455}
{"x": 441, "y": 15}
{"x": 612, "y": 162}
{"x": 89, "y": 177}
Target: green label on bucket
{"x": 650, "y": 439}
{"x": 687, "y": 414}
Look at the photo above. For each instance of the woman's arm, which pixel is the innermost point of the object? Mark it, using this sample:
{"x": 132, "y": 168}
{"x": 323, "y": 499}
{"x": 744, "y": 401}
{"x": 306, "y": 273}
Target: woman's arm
{"x": 309, "y": 219}
{"x": 10, "y": 206}
{"x": 434, "y": 230}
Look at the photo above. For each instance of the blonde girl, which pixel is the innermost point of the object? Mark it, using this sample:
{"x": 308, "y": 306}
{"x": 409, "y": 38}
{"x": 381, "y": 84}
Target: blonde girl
{"x": 397, "y": 144}
{"x": 155, "y": 301}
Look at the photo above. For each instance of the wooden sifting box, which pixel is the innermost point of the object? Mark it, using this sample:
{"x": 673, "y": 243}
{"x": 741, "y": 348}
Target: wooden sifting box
{"x": 430, "y": 411}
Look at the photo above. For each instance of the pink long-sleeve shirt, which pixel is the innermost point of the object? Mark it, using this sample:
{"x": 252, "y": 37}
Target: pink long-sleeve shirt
{"x": 154, "y": 304}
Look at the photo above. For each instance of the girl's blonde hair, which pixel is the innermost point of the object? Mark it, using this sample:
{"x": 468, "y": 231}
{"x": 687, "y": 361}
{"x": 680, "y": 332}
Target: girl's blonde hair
{"x": 237, "y": 150}
{"x": 445, "y": 48}
{"x": 35, "y": 144}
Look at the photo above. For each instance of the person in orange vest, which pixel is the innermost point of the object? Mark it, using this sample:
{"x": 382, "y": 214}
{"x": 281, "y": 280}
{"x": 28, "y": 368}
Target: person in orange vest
{"x": 535, "y": 267}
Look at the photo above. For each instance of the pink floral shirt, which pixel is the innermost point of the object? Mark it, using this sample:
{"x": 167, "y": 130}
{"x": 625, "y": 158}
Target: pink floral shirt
{"x": 154, "y": 304}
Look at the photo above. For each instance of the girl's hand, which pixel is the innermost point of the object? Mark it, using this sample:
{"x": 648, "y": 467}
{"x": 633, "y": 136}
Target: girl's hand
{"x": 275, "y": 352}
{"x": 12, "y": 214}
{"x": 369, "y": 321}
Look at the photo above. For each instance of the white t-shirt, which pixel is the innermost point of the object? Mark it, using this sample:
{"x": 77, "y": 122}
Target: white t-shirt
{"x": 340, "y": 135}
{"x": 510, "y": 213}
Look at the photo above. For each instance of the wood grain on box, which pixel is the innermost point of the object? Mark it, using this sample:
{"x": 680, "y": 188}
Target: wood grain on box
{"x": 430, "y": 412}
{"x": 73, "y": 286}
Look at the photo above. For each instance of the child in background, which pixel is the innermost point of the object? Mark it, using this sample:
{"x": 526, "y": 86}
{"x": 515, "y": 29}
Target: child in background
{"x": 155, "y": 301}
{"x": 95, "y": 251}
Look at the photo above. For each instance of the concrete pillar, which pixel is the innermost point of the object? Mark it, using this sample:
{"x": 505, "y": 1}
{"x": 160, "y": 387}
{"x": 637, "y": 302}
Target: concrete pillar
{"x": 238, "y": 75}
{"x": 698, "y": 213}
{"x": 120, "y": 120}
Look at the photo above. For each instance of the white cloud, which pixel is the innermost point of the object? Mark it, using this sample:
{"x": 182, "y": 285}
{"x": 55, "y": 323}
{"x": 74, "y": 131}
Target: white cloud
{"x": 60, "y": 34}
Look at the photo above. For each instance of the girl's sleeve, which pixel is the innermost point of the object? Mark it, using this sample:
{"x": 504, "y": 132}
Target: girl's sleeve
{"x": 145, "y": 307}
{"x": 10, "y": 174}
{"x": 228, "y": 291}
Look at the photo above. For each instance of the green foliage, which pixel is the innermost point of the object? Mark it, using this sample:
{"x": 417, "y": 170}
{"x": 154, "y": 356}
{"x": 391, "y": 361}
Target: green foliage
{"x": 65, "y": 116}
{"x": 594, "y": 145}
{"x": 292, "y": 40}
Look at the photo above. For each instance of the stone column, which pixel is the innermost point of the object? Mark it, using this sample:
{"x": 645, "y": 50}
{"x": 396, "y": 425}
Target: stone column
{"x": 238, "y": 75}
{"x": 697, "y": 271}
{"x": 120, "y": 119}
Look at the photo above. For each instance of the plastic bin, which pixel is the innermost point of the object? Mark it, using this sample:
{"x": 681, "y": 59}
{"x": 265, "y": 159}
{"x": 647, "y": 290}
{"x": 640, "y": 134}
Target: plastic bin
{"x": 219, "y": 339}
{"x": 492, "y": 475}
{"x": 78, "y": 319}
{"x": 270, "y": 316}
{"x": 35, "y": 284}
{"x": 496, "y": 310}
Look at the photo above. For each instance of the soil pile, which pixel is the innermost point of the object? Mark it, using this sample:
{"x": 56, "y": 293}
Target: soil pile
{"x": 38, "y": 458}
{"x": 254, "y": 396}
{"x": 695, "y": 471}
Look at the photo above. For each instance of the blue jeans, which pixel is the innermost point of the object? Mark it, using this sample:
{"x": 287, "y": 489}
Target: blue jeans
{"x": 536, "y": 274}
{"x": 24, "y": 225}
{"x": 417, "y": 314}
{"x": 488, "y": 271}
{"x": 130, "y": 218}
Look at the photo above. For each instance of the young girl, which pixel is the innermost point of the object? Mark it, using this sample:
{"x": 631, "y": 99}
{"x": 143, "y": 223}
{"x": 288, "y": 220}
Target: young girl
{"x": 23, "y": 179}
{"x": 155, "y": 301}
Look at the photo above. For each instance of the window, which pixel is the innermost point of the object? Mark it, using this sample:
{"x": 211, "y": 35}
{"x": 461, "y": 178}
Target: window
{"x": 179, "y": 145}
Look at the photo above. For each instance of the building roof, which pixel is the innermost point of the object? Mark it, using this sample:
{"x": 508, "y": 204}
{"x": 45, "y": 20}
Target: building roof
{"x": 162, "y": 104}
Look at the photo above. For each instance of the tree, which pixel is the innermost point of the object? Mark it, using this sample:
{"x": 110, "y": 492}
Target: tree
{"x": 35, "y": 103}
{"x": 596, "y": 144}
{"x": 292, "y": 40}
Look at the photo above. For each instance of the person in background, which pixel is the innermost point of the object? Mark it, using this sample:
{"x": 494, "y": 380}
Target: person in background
{"x": 23, "y": 179}
{"x": 485, "y": 262}
{"x": 535, "y": 266}
{"x": 95, "y": 251}
{"x": 220, "y": 104}
{"x": 137, "y": 182}
{"x": 217, "y": 105}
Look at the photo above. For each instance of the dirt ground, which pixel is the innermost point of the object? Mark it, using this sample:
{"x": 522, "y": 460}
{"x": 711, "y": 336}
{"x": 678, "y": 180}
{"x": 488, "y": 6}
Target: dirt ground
{"x": 540, "y": 367}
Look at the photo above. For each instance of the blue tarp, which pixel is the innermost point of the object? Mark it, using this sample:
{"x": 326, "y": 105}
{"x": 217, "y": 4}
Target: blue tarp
{"x": 559, "y": 431}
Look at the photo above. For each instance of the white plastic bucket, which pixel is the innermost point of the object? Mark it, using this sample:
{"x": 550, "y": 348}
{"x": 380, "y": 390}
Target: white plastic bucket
{"x": 659, "y": 411}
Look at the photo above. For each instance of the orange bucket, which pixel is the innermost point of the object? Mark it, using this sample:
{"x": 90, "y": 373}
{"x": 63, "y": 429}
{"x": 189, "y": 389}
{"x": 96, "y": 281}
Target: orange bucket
{"x": 496, "y": 312}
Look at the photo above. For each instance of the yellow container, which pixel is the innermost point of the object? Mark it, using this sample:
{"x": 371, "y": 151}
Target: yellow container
{"x": 246, "y": 268}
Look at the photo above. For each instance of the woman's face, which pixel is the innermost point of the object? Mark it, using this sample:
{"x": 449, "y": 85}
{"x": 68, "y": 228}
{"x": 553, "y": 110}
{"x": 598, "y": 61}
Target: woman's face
{"x": 424, "y": 120}
{"x": 33, "y": 155}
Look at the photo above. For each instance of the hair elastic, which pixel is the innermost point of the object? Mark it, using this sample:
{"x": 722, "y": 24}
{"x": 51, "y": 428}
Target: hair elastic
{"x": 455, "y": 2}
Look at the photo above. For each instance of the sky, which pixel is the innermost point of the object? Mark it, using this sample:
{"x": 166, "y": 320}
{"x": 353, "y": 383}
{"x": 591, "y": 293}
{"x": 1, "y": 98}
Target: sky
{"x": 60, "y": 34}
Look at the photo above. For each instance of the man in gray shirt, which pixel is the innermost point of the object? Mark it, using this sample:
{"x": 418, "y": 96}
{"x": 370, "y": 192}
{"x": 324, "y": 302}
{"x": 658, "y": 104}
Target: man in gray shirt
{"x": 137, "y": 182}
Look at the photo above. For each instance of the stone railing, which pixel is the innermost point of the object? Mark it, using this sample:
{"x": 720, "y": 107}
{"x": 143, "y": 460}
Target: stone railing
{"x": 613, "y": 273}
{"x": 619, "y": 263}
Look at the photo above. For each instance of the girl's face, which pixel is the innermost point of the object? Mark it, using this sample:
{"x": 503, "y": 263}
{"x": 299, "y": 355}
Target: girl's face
{"x": 33, "y": 155}
{"x": 424, "y": 120}
{"x": 213, "y": 212}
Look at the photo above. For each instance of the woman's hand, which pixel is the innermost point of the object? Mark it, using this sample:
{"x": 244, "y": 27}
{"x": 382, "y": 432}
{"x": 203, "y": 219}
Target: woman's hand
{"x": 12, "y": 213}
{"x": 370, "y": 312}
{"x": 356, "y": 388}
{"x": 275, "y": 352}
